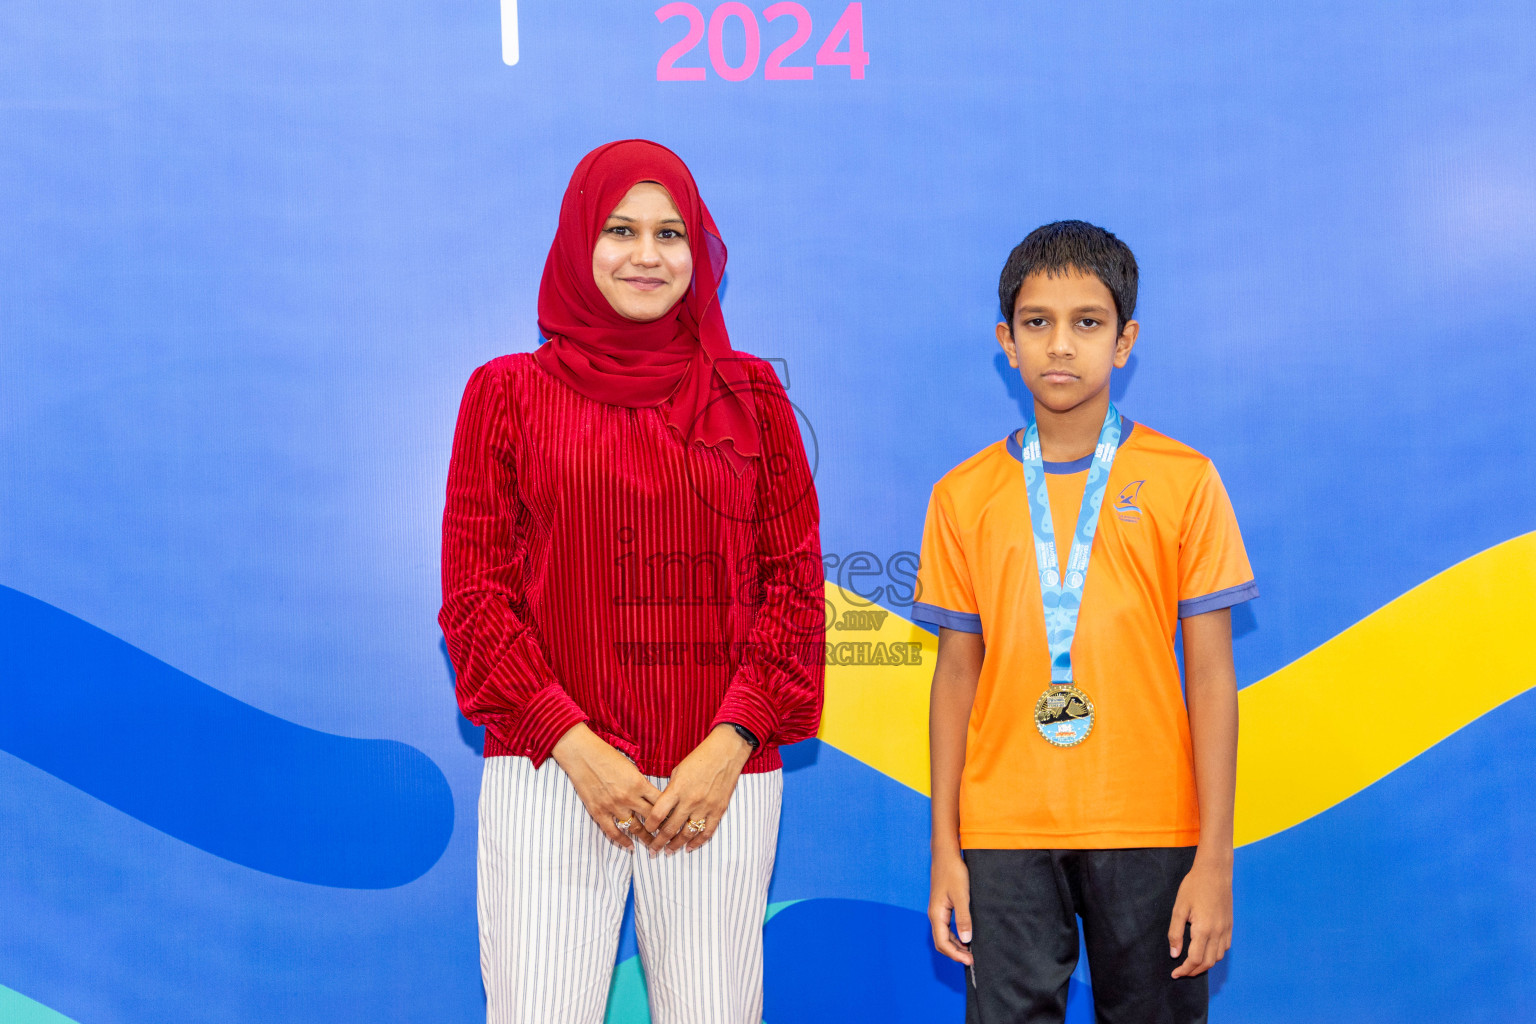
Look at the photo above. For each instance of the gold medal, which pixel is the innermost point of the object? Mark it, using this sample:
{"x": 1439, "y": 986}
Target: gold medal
{"x": 1064, "y": 716}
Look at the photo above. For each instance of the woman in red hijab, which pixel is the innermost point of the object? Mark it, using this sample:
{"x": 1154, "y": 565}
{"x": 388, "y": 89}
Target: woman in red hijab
{"x": 632, "y": 600}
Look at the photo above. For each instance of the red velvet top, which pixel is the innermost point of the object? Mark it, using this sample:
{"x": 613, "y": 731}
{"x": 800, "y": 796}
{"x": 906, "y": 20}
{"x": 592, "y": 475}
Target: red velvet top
{"x": 597, "y": 569}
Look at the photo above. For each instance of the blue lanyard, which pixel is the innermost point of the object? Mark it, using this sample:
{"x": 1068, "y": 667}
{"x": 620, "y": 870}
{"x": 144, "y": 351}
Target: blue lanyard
{"x": 1063, "y": 594}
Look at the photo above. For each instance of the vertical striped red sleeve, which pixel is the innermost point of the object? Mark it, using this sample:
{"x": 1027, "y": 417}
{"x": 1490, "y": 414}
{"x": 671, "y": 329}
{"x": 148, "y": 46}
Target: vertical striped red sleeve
{"x": 777, "y": 690}
{"x": 503, "y": 680}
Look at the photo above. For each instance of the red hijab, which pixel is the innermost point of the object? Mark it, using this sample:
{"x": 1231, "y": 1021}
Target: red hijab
{"x": 685, "y": 355}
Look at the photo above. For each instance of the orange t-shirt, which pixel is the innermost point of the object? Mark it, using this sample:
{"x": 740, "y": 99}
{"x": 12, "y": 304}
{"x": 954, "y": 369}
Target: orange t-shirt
{"x": 1167, "y": 547}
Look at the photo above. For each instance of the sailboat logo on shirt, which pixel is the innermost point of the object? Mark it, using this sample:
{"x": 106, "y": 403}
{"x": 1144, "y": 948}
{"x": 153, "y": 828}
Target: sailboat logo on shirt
{"x": 1126, "y": 509}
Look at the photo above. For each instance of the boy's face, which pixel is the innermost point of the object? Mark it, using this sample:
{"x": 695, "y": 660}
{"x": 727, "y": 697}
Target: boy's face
{"x": 1063, "y": 340}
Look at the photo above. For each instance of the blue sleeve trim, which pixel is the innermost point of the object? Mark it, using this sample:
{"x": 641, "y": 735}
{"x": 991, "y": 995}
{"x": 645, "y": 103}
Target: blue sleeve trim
{"x": 965, "y": 622}
{"x": 1220, "y": 599}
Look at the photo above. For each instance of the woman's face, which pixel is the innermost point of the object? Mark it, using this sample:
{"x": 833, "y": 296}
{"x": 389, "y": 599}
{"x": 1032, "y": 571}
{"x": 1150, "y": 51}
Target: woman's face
{"x": 642, "y": 263}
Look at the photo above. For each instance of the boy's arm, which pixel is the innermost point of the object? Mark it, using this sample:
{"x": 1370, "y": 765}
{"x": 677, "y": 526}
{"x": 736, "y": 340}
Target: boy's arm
{"x": 1210, "y": 692}
{"x": 955, "y": 675}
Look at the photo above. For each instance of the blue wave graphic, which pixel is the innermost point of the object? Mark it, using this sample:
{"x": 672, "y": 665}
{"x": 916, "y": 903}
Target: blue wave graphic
{"x": 849, "y": 831}
{"x": 210, "y": 770}
{"x": 824, "y": 956}
{"x": 838, "y": 960}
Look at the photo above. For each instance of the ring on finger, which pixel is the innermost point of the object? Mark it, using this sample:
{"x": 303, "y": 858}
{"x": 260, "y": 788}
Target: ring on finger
{"x": 697, "y": 825}
{"x": 625, "y": 825}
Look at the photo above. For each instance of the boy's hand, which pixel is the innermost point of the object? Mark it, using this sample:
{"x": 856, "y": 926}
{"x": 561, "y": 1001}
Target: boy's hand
{"x": 1205, "y": 903}
{"x": 951, "y": 893}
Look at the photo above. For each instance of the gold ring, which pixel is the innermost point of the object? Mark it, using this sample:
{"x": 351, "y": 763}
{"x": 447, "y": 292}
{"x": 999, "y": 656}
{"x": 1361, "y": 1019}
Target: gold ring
{"x": 625, "y": 825}
{"x": 697, "y": 825}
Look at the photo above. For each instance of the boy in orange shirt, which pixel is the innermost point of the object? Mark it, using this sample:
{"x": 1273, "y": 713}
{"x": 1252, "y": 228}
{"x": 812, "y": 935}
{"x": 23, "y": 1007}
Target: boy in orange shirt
{"x": 1073, "y": 775}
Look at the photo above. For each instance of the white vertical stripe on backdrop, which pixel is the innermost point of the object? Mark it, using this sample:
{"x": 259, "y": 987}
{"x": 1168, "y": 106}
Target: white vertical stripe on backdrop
{"x": 509, "y": 39}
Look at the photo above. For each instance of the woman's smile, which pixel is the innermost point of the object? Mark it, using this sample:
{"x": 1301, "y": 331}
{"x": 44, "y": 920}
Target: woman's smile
{"x": 642, "y": 262}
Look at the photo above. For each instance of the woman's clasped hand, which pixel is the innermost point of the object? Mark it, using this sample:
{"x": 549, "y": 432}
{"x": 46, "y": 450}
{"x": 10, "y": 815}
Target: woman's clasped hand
{"x": 627, "y": 806}
{"x": 608, "y": 783}
{"x": 698, "y": 792}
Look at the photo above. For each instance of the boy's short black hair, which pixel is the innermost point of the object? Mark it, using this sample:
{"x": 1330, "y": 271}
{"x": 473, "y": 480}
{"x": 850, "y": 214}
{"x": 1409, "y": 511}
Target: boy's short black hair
{"x": 1071, "y": 245}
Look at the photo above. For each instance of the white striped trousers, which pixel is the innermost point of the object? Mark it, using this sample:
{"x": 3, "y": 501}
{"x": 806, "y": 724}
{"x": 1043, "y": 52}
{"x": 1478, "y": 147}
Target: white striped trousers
{"x": 552, "y": 890}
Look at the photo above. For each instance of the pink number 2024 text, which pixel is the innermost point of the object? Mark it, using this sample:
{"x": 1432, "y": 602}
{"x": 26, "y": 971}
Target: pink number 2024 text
{"x": 843, "y": 46}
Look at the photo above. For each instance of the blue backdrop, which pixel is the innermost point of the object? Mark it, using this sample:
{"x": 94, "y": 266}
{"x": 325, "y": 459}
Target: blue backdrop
{"x": 253, "y": 250}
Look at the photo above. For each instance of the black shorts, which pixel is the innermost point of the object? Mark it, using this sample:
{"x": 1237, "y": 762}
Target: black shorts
{"x": 1024, "y": 910}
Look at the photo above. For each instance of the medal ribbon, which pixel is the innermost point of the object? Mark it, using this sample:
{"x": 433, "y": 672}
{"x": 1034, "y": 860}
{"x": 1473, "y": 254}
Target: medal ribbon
{"x": 1063, "y": 592}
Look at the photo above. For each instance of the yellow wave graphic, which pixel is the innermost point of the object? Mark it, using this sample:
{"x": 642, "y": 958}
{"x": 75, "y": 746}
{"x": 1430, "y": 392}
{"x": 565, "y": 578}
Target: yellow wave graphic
{"x": 1314, "y": 733}
{"x": 877, "y": 713}
{"x": 1387, "y": 689}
